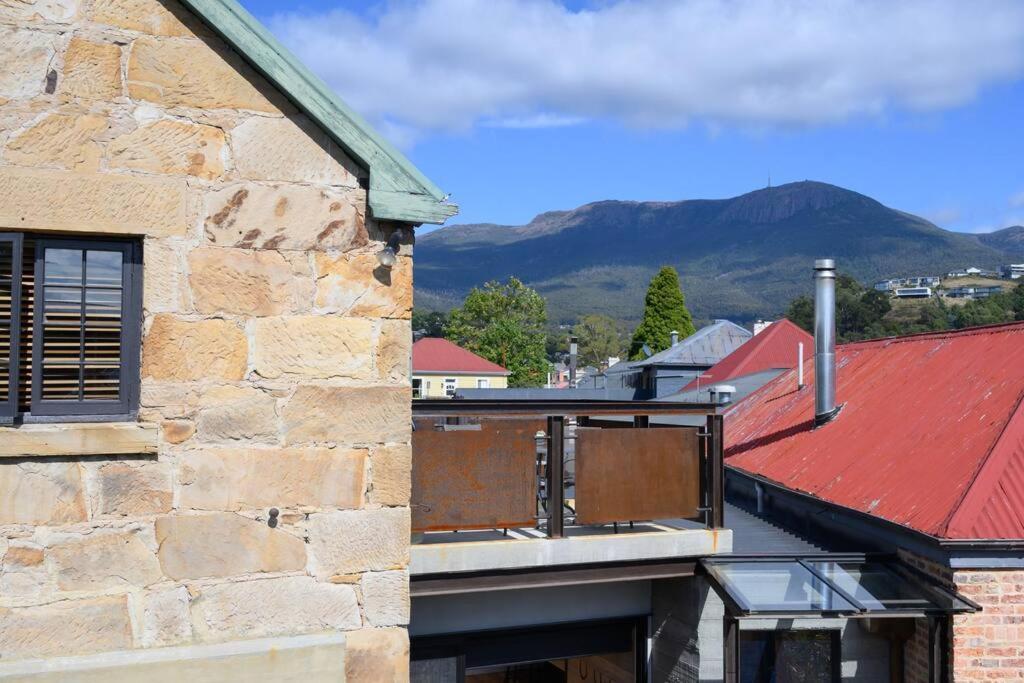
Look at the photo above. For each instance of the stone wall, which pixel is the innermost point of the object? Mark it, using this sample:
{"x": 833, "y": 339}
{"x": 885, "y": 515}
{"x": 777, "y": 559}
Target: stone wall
{"x": 275, "y": 358}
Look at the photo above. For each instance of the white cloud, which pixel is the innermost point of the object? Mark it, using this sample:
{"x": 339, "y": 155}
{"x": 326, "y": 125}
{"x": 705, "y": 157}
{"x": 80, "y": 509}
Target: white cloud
{"x": 430, "y": 65}
{"x": 1017, "y": 200}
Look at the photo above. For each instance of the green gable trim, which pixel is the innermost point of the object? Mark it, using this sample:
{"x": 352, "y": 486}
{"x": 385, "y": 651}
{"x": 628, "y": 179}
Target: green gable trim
{"x": 398, "y": 191}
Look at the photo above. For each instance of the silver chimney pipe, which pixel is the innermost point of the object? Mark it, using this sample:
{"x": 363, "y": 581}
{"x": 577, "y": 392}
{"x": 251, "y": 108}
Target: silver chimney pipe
{"x": 674, "y": 337}
{"x": 824, "y": 341}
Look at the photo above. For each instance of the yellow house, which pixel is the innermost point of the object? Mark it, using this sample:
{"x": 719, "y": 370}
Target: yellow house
{"x": 440, "y": 368}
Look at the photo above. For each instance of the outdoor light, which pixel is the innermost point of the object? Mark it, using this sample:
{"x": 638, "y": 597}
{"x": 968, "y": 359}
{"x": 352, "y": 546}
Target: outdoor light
{"x": 388, "y": 256}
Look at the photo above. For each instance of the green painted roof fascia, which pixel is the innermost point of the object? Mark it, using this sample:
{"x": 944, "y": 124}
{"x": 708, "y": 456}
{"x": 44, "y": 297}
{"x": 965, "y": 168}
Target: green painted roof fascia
{"x": 398, "y": 190}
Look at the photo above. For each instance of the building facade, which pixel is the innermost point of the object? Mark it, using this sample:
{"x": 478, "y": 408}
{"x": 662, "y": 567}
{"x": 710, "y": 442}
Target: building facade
{"x": 205, "y": 371}
{"x": 927, "y": 473}
{"x": 441, "y": 369}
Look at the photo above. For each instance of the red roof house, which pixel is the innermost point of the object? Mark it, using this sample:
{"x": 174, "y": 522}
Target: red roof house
{"x": 774, "y": 348}
{"x": 433, "y": 355}
{"x": 930, "y": 435}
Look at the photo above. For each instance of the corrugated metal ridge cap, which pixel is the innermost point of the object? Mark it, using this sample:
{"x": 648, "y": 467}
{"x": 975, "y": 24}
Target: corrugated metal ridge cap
{"x": 996, "y": 328}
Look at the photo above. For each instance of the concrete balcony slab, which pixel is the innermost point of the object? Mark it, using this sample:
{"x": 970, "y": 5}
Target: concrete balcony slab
{"x": 519, "y": 549}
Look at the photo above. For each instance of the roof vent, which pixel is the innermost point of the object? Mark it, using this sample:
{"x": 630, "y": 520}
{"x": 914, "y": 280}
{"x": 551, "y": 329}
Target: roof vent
{"x": 675, "y": 337}
{"x": 721, "y": 394}
{"x": 824, "y": 341}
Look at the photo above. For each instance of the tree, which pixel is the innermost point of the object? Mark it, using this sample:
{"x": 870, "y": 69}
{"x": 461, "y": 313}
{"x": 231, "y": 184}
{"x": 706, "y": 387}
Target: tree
{"x": 863, "y": 313}
{"x": 504, "y": 323}
{"x": 801, "y": 313}
{"x": 429, "y": 323}
{"x": 998, "y": 308}
{"x": 599, "y": 338}
{"x": 664, "y": 312}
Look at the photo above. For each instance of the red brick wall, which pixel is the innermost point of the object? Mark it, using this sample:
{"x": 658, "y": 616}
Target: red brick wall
{"x": 987, "y": 645}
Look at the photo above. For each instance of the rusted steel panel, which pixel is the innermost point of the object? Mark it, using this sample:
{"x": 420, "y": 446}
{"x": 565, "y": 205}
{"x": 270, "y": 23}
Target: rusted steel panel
{"x": 636, "y": 474}
{"x": 475, "y": 479}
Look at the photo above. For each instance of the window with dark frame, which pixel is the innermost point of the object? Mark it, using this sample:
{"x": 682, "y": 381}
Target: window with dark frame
{"x": 794, "y": 656}
{"x": 70, "y": 328}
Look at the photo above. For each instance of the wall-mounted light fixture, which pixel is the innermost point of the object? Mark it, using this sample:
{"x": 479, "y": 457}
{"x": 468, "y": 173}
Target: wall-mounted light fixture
{"x": 388, "y": 256}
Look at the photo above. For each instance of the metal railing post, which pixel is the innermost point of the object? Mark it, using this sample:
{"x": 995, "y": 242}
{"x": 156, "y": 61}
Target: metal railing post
{"x": 716, "y": 465}
{"x": 556, "y": 465}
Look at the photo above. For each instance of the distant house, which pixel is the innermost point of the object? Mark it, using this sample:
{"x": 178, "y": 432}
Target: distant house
{"x": 912, "y": 292}
{"x": 973, "y": 292}
{"x": 1013, "y": 271}
{"x": 909, "y": 282}
{"x": 752, "y": 365}
{"x": 974, "y": 271}
{"x": 440, "y": 368}
{"x": 668, "y": 371}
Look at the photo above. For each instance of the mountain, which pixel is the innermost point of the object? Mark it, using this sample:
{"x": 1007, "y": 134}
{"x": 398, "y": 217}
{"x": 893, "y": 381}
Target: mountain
{"x": 739, "y": 258}
{"x": 1009, "y": 240}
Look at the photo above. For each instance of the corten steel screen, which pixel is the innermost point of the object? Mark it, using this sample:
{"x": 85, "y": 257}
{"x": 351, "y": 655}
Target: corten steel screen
{"x": 475, "y": 479}
{"x": 636, "y": 474}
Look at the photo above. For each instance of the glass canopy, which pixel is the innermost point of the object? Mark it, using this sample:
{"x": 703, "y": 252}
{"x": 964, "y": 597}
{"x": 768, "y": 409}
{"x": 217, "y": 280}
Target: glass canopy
{"x": 823, "y": 585}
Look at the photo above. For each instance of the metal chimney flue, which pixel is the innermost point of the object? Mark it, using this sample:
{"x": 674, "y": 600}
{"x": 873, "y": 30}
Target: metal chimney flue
{"x": 824, "y": 341}
{"x": 674, "y": 336}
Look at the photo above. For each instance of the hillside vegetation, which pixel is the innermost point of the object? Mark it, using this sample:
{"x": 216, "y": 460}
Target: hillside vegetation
{"x": 740, "y": 258}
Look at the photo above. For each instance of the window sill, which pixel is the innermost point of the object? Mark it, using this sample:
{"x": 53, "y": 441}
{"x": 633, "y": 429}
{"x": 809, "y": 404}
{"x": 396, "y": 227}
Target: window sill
{"x": 79, "y": 439}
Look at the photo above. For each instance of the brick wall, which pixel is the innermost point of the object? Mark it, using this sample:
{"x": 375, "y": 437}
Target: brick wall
{"x": 987, "y": 645}
{"x": 275, "y": 359}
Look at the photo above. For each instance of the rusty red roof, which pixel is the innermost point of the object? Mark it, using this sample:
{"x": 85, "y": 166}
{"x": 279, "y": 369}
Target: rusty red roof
{"x": 930, "y": 435}
{"x": 775, "y": 348}
{"x": 440, "y": 355}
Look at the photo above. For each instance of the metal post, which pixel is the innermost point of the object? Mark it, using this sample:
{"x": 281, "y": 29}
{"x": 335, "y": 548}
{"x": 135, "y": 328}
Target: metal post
{"x": 938, "y": 649}
{"x": 731, "y": 643}
{"x": 716, "y": 463}
{"x": 573, "y": 353}
{"x": 556, "y": 463}
{"x": 800, "y": 366}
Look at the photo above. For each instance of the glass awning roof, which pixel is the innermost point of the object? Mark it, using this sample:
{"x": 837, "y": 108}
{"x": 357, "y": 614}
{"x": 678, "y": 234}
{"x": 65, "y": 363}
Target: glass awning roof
{"x": 829, "y": 585}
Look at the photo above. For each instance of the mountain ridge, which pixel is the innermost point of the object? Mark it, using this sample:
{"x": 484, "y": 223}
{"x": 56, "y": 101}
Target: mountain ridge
{"x": 741, "y": 258}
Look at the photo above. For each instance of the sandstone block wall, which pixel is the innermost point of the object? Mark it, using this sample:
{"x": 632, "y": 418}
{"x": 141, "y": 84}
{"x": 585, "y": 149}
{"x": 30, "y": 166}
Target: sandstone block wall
{"x": 275, "y": 359}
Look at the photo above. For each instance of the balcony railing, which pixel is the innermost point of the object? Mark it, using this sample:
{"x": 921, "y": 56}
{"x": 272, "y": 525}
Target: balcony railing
{"x": 556, "y": 465}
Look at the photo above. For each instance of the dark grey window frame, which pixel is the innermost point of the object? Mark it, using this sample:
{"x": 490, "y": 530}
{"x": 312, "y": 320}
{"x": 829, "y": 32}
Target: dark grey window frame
{"x": 51, "y": 411}
{"x": 9, "y": 408}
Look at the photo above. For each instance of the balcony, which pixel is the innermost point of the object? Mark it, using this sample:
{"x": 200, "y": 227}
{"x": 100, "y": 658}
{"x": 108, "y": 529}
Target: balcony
{"x": 541, "y": 486}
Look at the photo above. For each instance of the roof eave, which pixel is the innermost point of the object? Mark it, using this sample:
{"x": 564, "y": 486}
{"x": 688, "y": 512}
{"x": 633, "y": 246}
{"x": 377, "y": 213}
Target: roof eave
{"x": 493, "y": 373}
{"x": 398, "y": 190}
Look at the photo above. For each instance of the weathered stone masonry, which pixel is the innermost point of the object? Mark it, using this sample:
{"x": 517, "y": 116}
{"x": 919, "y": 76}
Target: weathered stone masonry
{"x": 275, "y": 354}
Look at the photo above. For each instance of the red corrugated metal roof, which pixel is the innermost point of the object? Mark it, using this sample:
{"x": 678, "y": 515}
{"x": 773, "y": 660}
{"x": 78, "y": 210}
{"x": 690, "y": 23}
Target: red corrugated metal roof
{"x": 930, "y": 436}
{"x": 440, "y": 355}
{"x": 775, "y": 348}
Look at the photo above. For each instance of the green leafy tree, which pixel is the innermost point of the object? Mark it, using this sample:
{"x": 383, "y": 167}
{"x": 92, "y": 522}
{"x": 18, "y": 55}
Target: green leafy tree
{"x": 998, "y": 308}
{"x": 863, "y": 313}
{"x": 429, "y": 323}
{"x": 504, "y": 323}
{"x": 556, "y": 345}
{"x": 801, "y": 313}
{"x": 599, "y": 338}
{"x": 664, "y": 311}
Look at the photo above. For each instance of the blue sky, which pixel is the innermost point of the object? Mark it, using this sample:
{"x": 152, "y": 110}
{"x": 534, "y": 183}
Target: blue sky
{"x": 522, "y": 106}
